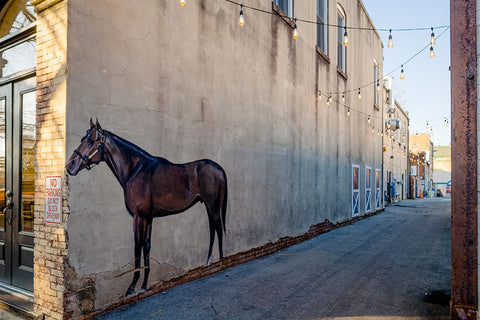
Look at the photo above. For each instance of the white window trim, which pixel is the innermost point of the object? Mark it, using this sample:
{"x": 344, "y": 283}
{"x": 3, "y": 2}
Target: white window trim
{"x": 368, "y": 191}
{"x": 376, "y": 80}
{"x": 341, "y": 13}
{"x": 325, "y": 28}
{"x": 356, "y": 193}
{"x": 290, "y": 8}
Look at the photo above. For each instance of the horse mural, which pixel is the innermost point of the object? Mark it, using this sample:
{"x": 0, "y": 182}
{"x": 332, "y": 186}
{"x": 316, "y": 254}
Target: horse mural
{"x": 154, "y": 187}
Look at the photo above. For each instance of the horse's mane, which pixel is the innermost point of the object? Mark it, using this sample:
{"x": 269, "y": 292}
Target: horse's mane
{"x": 129, "y": 147}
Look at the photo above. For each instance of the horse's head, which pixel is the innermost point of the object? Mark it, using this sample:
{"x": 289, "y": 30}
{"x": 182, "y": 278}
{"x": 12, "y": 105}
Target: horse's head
{"x": 89, "y": 152}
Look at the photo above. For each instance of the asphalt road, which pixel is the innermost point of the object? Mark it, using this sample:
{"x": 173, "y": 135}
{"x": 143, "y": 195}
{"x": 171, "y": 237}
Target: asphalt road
{"x": 395, "y": 265}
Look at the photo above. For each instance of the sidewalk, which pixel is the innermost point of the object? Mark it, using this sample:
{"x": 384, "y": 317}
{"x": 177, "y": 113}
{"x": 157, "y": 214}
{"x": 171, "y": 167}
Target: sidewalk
{"x": 395, "y": 265}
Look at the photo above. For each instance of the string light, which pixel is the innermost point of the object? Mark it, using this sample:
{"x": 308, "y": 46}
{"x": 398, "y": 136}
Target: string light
{"x": 295, "y": 31}
{"x": 445, "y": 122}
{"x": 432, "y": 38}
{"x": 368, "y": 120}
{"x": 373, "y": 130}
{"x": 345, "y": 37}
{"x": 426, "y": 126}
{"x": 390, "y": 41}
{"x": 241, "y": 19}
{"x": 182, "y": 3}
{"x": 346, "y": 42}
{"x": 402, "y": 75}
{"x": 432, "y": 53}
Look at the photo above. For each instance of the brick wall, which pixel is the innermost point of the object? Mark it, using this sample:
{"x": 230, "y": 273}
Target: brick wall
{"x": 50, "y": 240}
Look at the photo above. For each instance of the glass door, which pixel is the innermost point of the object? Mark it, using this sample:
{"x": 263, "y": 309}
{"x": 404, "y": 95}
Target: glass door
{"x": 17, "y": 178}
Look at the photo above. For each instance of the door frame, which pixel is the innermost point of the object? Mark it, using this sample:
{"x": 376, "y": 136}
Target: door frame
{"x": 18, "y": 245}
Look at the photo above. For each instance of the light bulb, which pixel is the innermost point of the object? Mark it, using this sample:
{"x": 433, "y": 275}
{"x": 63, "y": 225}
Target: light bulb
{"x": 330, "y": 98}
{"x": 345, "y": 37}
{"x": 368, "y": 120}
{"x": 348, "y": 112}
{"x": 373, "y": 130}
{"x": 319, "y": 95}
{"x": 426, "y": 126}
{"x": 432, "y": 38}
{"x": 402, "y": 74}
{"x": 295, "y": 31}
{"x": 182, "y": 3}
{"x": 241, "y": 19}
{"x": 378, "y": 86}
{"x": 390, "y": 41}
{"x": 432, "y": 53}
{"x": 359, "y": 95}
{"x": 343, "y": 98}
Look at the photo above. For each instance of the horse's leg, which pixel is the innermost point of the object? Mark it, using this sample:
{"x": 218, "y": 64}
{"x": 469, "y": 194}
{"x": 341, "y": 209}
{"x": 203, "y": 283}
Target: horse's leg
{"x": 146, "y": 254}
{"x": 138, "y": 236}
{"x": 211, "y": 224}
{"x": 219, "y": 228}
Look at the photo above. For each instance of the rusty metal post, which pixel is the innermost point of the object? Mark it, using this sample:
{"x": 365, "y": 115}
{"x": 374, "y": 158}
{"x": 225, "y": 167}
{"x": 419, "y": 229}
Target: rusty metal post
{"x": 464, "y": 303}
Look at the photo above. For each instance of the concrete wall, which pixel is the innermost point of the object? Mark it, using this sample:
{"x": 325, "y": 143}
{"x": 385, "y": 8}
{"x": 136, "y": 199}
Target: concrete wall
{"x": 187, "y": 83}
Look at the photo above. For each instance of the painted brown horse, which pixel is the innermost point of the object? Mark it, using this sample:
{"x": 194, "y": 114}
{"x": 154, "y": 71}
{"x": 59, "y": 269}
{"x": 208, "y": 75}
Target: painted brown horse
{"x": 154, "y": 187}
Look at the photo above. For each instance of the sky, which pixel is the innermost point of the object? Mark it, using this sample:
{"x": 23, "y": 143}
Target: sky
{"x": 425, "y": 91}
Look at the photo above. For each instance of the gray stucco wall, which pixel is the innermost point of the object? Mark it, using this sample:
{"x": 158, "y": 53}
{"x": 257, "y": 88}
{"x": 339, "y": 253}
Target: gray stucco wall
{"x": 187, "y": 83}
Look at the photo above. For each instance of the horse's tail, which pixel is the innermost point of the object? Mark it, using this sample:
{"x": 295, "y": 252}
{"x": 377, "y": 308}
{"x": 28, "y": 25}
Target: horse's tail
{"x": 224, "y": 204}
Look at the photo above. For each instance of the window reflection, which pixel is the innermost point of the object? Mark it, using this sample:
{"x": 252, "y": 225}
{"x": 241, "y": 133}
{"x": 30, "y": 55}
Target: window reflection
{"x": 28, "y": 161}
{"x": 16, "y": 15}
{"x": 2, "y": 163}
{"x": 18, "y": 58}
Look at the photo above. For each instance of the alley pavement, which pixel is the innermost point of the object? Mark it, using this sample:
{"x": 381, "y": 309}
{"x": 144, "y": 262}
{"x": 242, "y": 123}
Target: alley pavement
{"x": 394, "y": 265}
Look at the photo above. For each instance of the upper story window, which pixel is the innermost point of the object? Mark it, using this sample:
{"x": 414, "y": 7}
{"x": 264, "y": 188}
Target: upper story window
{"x": 16, "y": 15}
{"x": 17, "y": 49}
{"x": 286, "y": 6}
{"x": 322, "y": 25}
{"x": 376, "y": 83}
{"x": 341, "y": 22}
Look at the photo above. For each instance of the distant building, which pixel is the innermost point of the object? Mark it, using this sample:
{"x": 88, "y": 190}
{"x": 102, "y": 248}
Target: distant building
{"x": 421, "y": 164}
{"x": 442, "y": 169}
{"x": 395, "y": 148}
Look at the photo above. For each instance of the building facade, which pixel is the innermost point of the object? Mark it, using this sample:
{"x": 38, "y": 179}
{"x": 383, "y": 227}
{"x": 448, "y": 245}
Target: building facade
{"x": 442, "y": 170}
{"x": 421, "y": 157}
{"x": 183, "y": 83}
{"x": 395, "y": 148}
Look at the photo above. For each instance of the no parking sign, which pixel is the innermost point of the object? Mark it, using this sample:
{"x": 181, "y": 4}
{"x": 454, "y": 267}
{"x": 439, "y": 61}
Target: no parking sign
{"x": 53, "y": 199}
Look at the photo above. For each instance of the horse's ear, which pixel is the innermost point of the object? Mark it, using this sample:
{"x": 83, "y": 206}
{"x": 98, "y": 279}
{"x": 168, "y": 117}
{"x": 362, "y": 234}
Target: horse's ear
{"x": 99, "y": 128}
{"x": 91, "y": 124}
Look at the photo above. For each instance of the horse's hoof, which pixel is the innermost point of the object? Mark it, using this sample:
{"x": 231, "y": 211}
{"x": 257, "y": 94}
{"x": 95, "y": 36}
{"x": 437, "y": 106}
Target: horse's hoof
{"x": 129, "y": 291}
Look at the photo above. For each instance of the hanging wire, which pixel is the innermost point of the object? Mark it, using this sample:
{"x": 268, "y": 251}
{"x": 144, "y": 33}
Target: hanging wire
{"x": 335, "y": 25}
{"x": 400, "y": 66}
